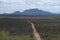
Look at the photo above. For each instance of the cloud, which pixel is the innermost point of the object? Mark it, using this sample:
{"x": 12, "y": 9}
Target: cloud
{"x": 13, "y": 5}
{"x": 12, "y": 0}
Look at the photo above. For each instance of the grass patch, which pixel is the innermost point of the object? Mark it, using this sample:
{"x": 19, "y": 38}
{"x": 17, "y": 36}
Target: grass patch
{"x": 6, "y": 36}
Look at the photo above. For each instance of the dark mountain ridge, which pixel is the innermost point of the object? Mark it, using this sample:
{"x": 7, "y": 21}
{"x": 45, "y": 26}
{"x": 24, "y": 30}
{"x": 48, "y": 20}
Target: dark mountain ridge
{"x": 36, "y": 12}
{"x": 29, "y": 12}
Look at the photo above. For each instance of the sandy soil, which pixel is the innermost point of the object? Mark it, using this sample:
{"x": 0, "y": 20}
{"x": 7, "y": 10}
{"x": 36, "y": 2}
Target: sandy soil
{"x": 35, "y": 33}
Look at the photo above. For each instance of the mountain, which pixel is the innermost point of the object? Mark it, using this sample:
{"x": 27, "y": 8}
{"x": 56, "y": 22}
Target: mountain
{"x": 30, "y": 12}
{"x": 35, "y": 12}
{"x": 16, "y": 13}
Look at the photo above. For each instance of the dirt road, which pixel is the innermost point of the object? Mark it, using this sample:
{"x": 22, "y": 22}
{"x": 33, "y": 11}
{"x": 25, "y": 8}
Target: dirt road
{"x": 35, "y": 33}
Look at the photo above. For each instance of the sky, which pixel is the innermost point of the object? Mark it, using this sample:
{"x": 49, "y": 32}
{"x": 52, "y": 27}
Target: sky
{"x": 9, "y": 6}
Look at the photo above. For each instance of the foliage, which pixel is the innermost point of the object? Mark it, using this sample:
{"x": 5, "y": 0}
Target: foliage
{"x": 5, "y": 36}
{"x": 49, "y": 29}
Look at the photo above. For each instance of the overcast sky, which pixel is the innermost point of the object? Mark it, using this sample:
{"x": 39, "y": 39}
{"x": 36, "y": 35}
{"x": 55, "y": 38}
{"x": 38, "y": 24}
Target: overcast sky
{"x": 9, "y": 6}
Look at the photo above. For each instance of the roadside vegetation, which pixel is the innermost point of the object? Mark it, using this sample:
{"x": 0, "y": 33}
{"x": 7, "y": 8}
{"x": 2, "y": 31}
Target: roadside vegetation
{"x": 5, "y": 36}
{"x": 20, "y": 29}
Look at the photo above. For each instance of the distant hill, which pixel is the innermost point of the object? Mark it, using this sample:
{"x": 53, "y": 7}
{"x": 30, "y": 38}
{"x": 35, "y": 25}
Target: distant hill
{"x": 29, "y": 12}
{"x": 36, "y": 12}
{"x": 17, "y": 13}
